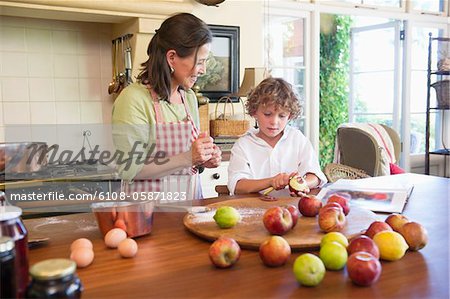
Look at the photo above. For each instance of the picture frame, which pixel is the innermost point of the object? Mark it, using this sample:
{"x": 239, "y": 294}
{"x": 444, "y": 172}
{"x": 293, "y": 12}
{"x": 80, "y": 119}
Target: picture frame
{"x": 222, "y": 68}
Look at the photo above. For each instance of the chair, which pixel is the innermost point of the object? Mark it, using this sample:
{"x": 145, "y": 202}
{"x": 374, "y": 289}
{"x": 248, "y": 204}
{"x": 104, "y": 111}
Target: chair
{"x": 369, "y": 147}
{"x": 334, "y": 172}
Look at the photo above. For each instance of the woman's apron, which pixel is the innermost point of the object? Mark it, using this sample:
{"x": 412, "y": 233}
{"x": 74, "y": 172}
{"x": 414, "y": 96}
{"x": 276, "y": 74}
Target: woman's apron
{"x": 171, "y": 138}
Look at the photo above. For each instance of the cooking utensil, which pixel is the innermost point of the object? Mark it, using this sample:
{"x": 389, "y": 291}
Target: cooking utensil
{"x": 22, "y": 157}
{"x": 114, "y": 85}
{"x": 136, "y": 218}
{"x": 128, "y": 58}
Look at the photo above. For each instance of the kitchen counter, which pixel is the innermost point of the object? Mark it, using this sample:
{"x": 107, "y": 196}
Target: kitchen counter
{"x": 172, "y": 262}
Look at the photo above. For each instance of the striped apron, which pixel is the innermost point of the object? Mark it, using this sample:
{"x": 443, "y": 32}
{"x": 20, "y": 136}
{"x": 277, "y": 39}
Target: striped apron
{"x": 172, "y": 138}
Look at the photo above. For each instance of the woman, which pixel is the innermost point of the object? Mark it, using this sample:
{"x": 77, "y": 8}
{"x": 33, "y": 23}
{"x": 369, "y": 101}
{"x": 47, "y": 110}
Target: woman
{"x": 156, "y": 120}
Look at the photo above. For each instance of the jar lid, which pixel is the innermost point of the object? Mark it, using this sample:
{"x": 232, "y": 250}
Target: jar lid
{"x": 52, "y": 269}
{"x": 6, "y": 244}
{"x": 9, "y": 212}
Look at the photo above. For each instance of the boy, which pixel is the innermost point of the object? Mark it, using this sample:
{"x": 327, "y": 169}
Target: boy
{"x": 270, "y": 155}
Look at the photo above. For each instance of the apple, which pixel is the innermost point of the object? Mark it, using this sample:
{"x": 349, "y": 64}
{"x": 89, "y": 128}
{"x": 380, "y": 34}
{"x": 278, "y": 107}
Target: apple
{"x": 294, "y": 213}
{"x": 415, "y": 235}
{"x": 396, "y": 221}
{"x": 309, "y": 205}
{"x": 277, "y": 220}
{"x": 334, "y": 237}
{"x": 363, "y": 268}
{"x": 344, "y": 202}
{"x": 376, "y": 227}
{"x": 331, "y": 219}
{"x": 226, "y": 217}
{"x": 333, "y": 255}
{"x": 224, "y": 252}
{"x": 298, "y": 185}
{"x": 333, "y": 205}
{"x": 363, "y": 243}
{"x": 275, "y": 251}
{"x": 308, "y": 269}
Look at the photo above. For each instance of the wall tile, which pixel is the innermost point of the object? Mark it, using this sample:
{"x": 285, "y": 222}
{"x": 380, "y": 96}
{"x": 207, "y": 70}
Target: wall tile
{"x": 39, "y": 40}
{"x": 43, "y": 113}
{"x": 2, "y": 134}
{"x": 13, "y": 38}
{"x": 66, "y": 66}
{"x": 91, "y": 112}
{"x": 64, "y": 42}
{"x": 88, "y": 43}
{"x": 67, "y": 113}
{"x": 16, "y": 113}
{"x": 1, "y": 114}
{"x": 41, "y": 89}
{"x": 40, "y": 65}
{"x": 67, "y": 90}
{"x": 89, "y": 66}
{"x": 15, "y": 89}
{"x": 14, "y": 64}
{"x": 90, "y": 89}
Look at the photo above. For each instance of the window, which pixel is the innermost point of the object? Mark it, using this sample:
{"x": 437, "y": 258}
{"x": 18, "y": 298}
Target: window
{"x": 285, "y": 57}
{"x": 430, "y": 6}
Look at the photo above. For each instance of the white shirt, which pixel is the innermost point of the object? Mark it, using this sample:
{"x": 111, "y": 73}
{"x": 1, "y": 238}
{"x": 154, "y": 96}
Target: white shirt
{"x": 254, "y": 158}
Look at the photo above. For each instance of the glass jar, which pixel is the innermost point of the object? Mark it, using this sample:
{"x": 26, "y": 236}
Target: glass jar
{"x": 7, "y": 268}
{"x": 11, "y": 225}
{"x": 54, "y": 278}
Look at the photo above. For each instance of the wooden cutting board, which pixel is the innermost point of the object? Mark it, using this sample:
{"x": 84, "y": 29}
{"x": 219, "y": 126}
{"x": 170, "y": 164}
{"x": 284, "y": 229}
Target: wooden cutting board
{"x": 250, "y": 231}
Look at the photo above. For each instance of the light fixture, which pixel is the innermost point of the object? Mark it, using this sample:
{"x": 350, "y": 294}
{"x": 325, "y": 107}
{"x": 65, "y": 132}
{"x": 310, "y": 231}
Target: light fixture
{"x": 252, "y": 77}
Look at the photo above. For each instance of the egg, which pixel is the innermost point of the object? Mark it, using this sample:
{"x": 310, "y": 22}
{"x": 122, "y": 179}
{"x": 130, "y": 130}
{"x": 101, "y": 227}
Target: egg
{"x": 82, "y": 242}
{"x": 128, "y": 248}
{"x": 82, "y": 256}
{"x": 114, "y": 237}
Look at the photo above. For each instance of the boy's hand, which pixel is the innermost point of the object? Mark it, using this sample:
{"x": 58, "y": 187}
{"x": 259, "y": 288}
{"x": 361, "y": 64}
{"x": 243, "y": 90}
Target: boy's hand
{"x": 280, "y": 181}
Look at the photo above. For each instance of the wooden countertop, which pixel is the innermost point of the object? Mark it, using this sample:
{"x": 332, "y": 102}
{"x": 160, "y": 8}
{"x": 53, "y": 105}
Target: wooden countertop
{"x": 172, "y": 262}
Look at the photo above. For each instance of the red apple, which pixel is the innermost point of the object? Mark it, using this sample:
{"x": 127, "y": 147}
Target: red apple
{"x": 294, "y": 213}
{"x": 277, "y": 220}
{"x": 297, "y": 185}
{"x": 363, "y": 268}
{"x": 341, "y": 200}
{"x": 224, "y": 252}
{"x": 331, "y": 219}
{"x": 275, "y": 251}
{"x": 396, "y": 221}
{"x": 376, "y": 227}
{"x": 333, "y": 205}
{"x": 309, "y": 205}
{"x": 415, "y": 235}
{"x": 363, "y": 243}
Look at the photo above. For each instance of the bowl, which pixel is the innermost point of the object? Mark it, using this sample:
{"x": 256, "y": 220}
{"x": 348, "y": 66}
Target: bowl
{"x": 135, "y": 218}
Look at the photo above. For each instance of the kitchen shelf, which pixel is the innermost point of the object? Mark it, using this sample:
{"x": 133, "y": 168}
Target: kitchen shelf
{"x": 435, "y": 74}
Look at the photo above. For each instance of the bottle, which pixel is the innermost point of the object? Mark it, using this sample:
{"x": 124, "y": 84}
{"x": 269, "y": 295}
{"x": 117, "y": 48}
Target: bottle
{"x": 11, "y": 225}
{"x": 7, "y": 268}
{"x": 54, "y": 278}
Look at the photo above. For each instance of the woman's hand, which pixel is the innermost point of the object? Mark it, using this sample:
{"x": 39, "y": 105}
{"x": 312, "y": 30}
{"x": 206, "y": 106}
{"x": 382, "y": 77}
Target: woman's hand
{"x": 202, "y": 149}
{"x": 215, "y": 160}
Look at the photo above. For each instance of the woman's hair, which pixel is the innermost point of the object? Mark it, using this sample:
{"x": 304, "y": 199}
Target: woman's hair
{"x": 184, "y": 33}
{"x": 274, "y": 91}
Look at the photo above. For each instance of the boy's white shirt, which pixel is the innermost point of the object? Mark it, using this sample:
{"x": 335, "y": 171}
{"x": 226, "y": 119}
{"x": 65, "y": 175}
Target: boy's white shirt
{"x": 253, "y": 158}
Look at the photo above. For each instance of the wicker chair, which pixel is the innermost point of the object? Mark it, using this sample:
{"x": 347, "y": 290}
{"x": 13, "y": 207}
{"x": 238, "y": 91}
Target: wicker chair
{"x": 335, "y": 172}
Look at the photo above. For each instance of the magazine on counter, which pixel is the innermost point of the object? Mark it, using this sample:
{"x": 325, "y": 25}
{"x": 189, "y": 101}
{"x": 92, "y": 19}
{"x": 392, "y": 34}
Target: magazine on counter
{"x": 370, "y": 194}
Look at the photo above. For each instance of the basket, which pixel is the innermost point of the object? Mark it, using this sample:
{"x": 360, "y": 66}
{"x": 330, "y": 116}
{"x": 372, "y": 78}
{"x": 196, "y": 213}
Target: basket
{"x": 334, "y": 172}
{"x": 442, "y": 93}
{"x": 224, "y": 126}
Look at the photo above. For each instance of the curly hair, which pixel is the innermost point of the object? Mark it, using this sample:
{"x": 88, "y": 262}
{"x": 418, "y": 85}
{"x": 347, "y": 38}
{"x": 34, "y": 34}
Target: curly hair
{"x": 274, "y": 91}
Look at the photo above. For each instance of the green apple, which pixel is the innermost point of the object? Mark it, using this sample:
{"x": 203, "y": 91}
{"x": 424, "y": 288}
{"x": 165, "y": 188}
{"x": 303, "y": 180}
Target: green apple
{"x": 333, "y": 255}
{"x": 226, "y": 217}
{"x": 309, "y": 270}
{"x": 336, "y": 237}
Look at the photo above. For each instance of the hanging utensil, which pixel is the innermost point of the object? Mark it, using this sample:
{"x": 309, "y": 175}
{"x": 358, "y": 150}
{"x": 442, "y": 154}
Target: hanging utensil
{"x": 121, "y": 75}
{"x": 128, "y": 59}
{"x": 115, "y": 87}
{"x": 112, "y": 84}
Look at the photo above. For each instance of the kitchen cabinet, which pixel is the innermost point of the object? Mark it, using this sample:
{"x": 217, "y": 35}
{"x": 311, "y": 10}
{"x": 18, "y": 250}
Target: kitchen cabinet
{"x": 440, "y": 78}
{"x": 211, "y": 177}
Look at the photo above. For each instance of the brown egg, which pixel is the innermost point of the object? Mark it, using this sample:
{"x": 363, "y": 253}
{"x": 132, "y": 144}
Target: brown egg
{"x": 82, "y": 256}
{"x": 114, "y": 237}
{"x": 82, "y": 242}
{"x": 128, "y": 248}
